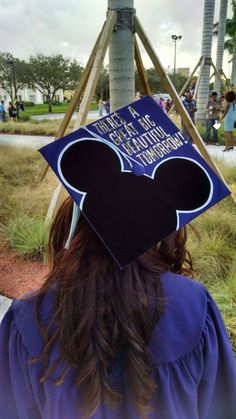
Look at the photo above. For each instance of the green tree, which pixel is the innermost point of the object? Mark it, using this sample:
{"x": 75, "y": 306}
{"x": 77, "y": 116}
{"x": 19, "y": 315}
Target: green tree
{"x": 49, "y": 74}
{"x": 155, "y": 83}
{"x": 75, "y": 70}
{"x": 14, "y": 74}
{"x": 102, "y": 88}
{"x": 153, "y": 79}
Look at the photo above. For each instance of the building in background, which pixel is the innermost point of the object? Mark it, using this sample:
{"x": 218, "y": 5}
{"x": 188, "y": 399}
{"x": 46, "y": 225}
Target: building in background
{"x": 30, "y": 95}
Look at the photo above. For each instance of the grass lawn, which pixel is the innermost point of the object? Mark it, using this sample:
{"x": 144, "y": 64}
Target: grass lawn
{"x": 43, "y": 108}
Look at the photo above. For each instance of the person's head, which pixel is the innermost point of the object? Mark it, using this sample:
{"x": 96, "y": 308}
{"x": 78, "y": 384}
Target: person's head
{"x": 213, "y": 96}
{"x": 189, "y": 95}
{"x": 230, "y": 96}
{"x": 102, "y": 310}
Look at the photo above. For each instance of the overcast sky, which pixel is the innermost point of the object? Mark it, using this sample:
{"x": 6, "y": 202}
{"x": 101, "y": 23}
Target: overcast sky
{"x": 71, "y": 27}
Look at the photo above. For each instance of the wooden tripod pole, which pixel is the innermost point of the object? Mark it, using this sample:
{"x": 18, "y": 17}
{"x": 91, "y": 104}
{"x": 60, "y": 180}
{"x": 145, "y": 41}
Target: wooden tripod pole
{"x": 186, "y": 84}
{"x": 218, "y": 75}
{"x": 141, "y": 69}
{"x": 175, "y": 97}
{"x": 211, "y": 76}
{"x": 103, "y": 42}
{"x": 226, "y": 80}
{"x": 96, "y": 69}
{"x": 72, "y": 105}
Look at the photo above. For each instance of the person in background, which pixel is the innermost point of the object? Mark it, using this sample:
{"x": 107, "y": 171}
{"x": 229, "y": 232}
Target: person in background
{"x": 107, "y": 106}
{"x": 161, "y": 103}
{"x": 168, "y": 105}
{"x": 21, "y": 107}
{"x": 3, "y": 111}
{"x": 12, "y": 112}
{"x": 213, "y": 108}
{"x": 100, "y": 107}
{"x": 229, "y": 117}
{"x": 190, "y": 105}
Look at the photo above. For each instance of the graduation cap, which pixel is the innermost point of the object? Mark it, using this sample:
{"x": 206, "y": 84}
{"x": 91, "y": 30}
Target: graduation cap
{"x": 135, "y": 178}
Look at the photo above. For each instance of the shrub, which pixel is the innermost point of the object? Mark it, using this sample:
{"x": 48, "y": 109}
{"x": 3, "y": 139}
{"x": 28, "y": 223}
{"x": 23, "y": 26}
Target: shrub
{"x": 26, "y": 234}
{"x": 28, "y": 103}
{"x": 24, "y": 118}
{"x": 19, "y": 168}
{"x": 225, "y": 297}
{"x": 54, "y": 103}
{"x": 214, "y": 255}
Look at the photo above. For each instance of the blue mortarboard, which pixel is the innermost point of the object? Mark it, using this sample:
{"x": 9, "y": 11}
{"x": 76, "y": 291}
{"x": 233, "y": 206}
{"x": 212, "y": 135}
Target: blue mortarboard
{"x": 135, "y": 178}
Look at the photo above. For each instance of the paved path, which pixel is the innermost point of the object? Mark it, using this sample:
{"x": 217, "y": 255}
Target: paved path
{"x": 31, "y": 141}
{"x": 91, "y": 115}
{"x": 35, "y": 142}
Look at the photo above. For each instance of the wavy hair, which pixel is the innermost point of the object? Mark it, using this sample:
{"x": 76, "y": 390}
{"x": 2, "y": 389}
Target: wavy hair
{"x": 101, "y": 311}
{"x": 230, "y": 96}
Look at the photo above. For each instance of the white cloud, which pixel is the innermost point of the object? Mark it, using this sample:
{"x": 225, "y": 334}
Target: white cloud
{"x": 71, "y": 27}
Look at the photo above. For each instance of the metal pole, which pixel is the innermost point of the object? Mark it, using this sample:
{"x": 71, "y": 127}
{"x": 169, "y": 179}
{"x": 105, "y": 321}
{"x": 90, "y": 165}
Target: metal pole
{"x": 175, "y": 41}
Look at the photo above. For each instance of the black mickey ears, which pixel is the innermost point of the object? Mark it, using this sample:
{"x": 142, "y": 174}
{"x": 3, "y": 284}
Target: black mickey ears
{"x": 186, "y": 181}
{"x": 131, "y": 213}
{"x": 85, "y": 164}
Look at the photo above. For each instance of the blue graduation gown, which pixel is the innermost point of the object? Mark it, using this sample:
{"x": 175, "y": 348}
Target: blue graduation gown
{"x": 195, "y": 368}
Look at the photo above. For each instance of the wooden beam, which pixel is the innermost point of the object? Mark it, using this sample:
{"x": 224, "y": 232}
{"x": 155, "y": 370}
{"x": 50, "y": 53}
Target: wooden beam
{"x": 175, "y": 97}
{"x": 186, "y": 84}
{"x": 218, "y": 75}
{"x": 96, "y": 68}
{"x": 141, "y": 69}
{"x": 72, "y": 105}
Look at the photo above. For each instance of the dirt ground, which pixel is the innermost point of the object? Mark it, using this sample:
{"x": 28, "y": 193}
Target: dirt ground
{"x": 18, "y": 276}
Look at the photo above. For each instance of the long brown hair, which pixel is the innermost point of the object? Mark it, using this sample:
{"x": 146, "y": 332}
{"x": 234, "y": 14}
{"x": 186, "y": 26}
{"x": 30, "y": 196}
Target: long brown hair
{"x": 100, "y": 310}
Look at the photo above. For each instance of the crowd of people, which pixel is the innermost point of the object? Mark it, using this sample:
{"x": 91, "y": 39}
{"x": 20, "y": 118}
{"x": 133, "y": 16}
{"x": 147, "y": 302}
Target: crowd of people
{"x": 217, "y": 111}
{"x": 13, "y": 110}
{"x": 165, "y": 105}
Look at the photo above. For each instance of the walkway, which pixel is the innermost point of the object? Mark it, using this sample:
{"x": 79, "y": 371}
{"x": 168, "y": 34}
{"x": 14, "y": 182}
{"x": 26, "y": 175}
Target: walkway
{"x": 35, "y": 142}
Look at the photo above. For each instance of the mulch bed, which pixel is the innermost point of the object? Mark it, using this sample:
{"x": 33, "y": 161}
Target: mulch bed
{"x": 19, "y": 276}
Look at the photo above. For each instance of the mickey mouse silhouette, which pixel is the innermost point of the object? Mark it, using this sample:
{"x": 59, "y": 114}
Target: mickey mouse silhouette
{"x": 131, "y": 213}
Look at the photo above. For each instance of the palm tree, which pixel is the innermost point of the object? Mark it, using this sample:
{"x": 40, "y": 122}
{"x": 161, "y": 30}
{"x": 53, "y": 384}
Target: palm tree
{"x": 230, "y": 43}
{"x": 203, "y": 92}
{"x": 121, "y": 60}
{"x": 220, "y": 41}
